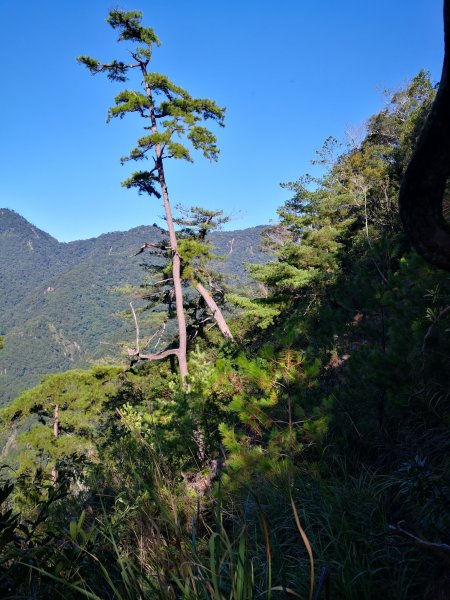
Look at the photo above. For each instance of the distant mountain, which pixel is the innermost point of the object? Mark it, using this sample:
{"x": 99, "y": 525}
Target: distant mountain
{"x": 58, "y": 309}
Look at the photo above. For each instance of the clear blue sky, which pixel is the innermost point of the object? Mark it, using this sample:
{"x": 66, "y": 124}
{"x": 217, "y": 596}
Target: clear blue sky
{"x": 290, "y": 72}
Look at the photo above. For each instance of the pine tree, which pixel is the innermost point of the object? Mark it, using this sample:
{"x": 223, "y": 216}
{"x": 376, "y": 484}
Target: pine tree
{"x": 178, "y": 115}
{"x": 57, "y": 419}
{"x": 346, "y": 217}
{"x": 196, "y": 253}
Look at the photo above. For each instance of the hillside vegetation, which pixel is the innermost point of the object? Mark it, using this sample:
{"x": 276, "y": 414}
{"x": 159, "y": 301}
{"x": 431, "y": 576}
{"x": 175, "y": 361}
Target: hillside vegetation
{"x": 59, "y": 307}
{"x": 308, "y": 457}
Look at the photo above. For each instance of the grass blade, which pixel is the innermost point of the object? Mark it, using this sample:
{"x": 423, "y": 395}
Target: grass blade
{"x": 307, "y": 546}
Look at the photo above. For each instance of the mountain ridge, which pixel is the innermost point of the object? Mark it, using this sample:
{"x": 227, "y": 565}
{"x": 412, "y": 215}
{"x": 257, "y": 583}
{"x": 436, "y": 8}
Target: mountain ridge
{"x": 57, "y": 307}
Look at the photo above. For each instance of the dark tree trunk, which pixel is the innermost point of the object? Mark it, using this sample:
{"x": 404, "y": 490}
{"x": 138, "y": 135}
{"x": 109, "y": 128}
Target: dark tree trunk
{"x": 424, "y": 183}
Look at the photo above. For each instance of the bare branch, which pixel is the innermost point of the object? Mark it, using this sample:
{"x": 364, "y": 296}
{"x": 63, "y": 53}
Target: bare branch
{"x": 136, "y": 327}
{"x": 152, "y": 337}
{"x": 161, "y": 281}
{"x": 418, "y": 541}
{"x": 149, "y": 245}
{"x": 162, "y": 333}
{"x": 160, "y": 355}
{"x": 217, "y": 313}
{"x": 135, "y": 353}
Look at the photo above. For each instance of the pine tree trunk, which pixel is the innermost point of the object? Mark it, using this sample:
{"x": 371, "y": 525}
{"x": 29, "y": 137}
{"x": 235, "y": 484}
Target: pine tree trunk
{"x": 176, "y": 261}
{"x": 217, "y": 313}
{"x": 176, "y": 270}
{"x": 199, "y": 441}
{"x": 54, "y": 475}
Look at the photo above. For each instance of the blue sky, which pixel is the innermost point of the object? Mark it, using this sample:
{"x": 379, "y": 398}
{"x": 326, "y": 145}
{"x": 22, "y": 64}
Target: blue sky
{"x": 290, "y": 73}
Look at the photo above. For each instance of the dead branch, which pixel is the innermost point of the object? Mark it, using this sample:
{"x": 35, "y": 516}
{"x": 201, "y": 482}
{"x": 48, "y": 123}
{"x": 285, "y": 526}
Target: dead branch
{"x": 160, "y": 355}
{"x": 217, "y": 313}
{"x": 161, "y": 281}
{"x": 136, "y": 327}
{"x": 135, "y": 353}
{"x": 150, "y": 245}
{"x": 418, "y": 541}
{"x": 159, "y": 331}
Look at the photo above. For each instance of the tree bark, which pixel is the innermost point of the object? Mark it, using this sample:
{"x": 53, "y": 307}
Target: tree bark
{"x": 217, "y": 313}
{"x": 176, "y": 261}
{"x": 425, "y": 179}
{"x": 54, "y": 475}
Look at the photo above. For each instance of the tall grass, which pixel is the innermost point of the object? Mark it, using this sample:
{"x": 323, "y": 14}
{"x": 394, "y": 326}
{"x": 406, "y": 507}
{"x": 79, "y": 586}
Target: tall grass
{"x": 231, "y": 560}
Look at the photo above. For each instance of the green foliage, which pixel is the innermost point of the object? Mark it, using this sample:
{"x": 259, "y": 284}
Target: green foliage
{"x": 308, "y": 458}
{"x": 84, "y": 275}
{"x": 195, "y": 246}
{"x": 271, "y": 420}
{"x": 255, "y": 311}
{"x": 27, "y": 422}
{"x": 129, "y": 25}
{"x": 178, "y": 115}
{"x": 199, "y": 265}
{"x": 346, "y": 290}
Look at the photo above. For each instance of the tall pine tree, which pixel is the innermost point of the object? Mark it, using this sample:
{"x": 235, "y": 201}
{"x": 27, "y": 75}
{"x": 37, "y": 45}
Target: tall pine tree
{"x": 170, "y": 114}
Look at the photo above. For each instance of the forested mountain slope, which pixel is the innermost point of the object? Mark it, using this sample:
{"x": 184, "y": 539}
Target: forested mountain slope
{"x": 58, "y": 306}
{"x": 309, "y": 453}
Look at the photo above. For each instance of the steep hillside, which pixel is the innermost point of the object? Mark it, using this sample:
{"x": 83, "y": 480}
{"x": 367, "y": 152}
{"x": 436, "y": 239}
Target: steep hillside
{"x": 59, "y": 308}
{"x": 25, "y": 254}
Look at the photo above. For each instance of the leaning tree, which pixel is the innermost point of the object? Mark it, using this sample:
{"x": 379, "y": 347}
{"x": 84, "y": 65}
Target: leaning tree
{"x": 171, "y": 116}
{"x": 424, "y": 194}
